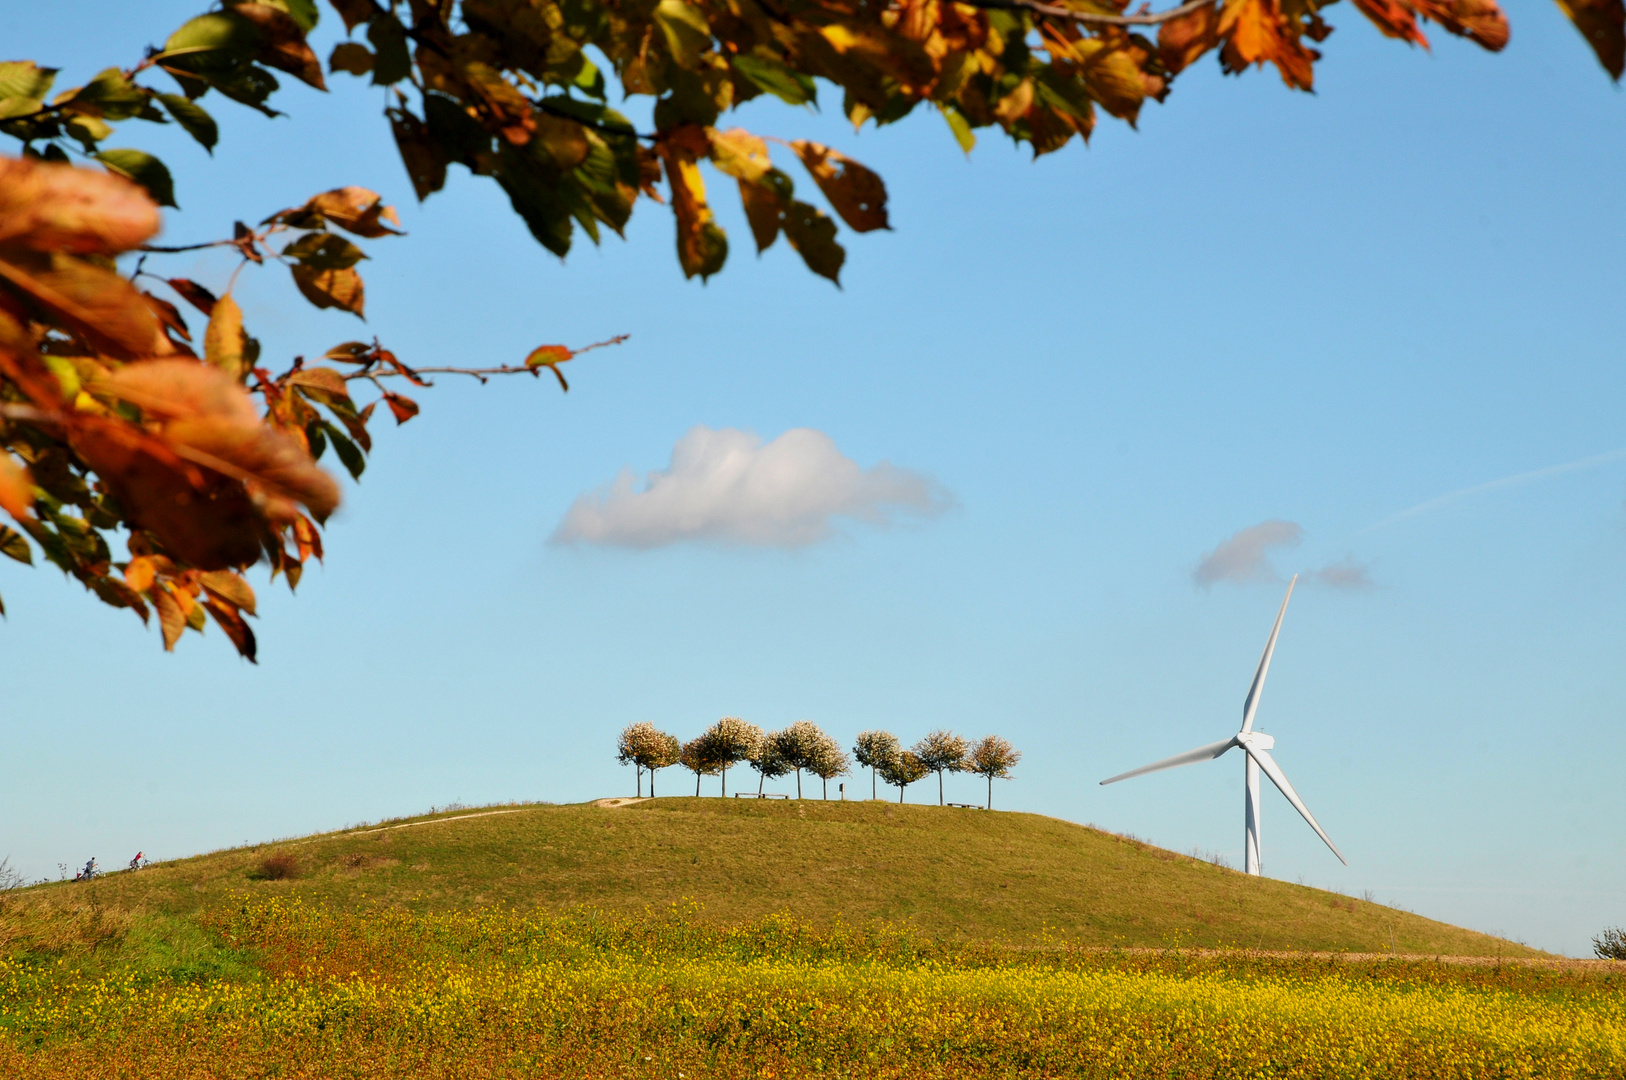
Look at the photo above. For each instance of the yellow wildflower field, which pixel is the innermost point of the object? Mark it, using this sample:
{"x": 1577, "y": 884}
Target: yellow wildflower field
{"x": 496, "y": 993}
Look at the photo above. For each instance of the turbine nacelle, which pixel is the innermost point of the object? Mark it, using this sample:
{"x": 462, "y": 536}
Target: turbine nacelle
{"x": 1255, "y": 740}
{"x": 1256, "y": 747}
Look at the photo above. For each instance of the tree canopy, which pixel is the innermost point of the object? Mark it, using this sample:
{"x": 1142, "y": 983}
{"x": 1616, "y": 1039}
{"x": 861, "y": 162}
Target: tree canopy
{"x": 155, "y": 467}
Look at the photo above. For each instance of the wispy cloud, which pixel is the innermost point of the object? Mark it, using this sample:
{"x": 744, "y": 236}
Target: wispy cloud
{"x": 1346, "y": 573}
{"x": 728, "y": 486}
{"x": 1514, "y": 480}
{"x": 1245, "y": 556}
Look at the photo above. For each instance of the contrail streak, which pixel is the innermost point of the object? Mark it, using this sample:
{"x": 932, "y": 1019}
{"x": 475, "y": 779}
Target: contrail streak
{"x": 1507, "y": 481}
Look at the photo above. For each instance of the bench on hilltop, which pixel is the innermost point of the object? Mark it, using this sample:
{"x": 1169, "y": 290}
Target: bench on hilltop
{"x": 754, "y": 795}
{"x": 967, "y": 806}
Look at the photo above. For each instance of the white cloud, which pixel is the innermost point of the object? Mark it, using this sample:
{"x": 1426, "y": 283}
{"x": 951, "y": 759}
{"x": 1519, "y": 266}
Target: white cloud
{"x": 1245, "y": 556}
{"x": 727, "y": 485}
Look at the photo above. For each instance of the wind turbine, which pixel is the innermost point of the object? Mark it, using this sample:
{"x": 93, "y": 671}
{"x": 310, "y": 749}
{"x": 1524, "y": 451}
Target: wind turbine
{"x": 1256, "y": 746}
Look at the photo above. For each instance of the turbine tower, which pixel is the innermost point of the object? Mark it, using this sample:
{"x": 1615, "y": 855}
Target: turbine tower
{"x": 1256, "y": 746}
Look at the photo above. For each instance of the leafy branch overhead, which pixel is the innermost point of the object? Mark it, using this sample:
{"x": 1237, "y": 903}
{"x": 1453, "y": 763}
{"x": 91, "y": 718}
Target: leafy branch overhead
{"x": 154, "y": 463}
{"x": 517, "y": 90}
{"x": 110, "y": 419}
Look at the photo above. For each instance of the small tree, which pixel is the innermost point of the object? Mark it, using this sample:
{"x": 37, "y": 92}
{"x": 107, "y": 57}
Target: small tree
{"x": 695, "y": 755}
{"x": 994, "y": 758}
{"x": 1611, "y": 944}
{"x": 941, "y": 750}
{"x": 873, "y": 749}
{"x": 800, "y": 745}
{"x": 829, "y": 761}
{"x": 769, "y": 761}
{"x": 649, "y": 748}
{"x": 901, "y": 770}
{"x": 730, "y": 740}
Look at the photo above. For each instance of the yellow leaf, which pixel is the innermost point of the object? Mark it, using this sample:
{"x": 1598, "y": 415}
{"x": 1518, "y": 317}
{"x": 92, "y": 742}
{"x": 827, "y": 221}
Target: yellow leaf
{"x": 340, "y": 289}
{"x": 739, "y": 153}
{"x": 224, "y": 341}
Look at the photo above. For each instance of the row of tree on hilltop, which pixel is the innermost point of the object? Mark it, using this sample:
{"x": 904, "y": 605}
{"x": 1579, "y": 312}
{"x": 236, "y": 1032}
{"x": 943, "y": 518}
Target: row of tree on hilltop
{"x": 803, "y": 746}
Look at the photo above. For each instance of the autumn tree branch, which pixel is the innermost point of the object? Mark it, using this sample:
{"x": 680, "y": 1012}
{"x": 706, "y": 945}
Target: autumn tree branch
{"x": 1090, "y": 18}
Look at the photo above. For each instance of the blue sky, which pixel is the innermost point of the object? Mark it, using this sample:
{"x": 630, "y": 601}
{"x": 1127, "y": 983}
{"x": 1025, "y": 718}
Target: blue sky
{"x": 1323, "y": 310}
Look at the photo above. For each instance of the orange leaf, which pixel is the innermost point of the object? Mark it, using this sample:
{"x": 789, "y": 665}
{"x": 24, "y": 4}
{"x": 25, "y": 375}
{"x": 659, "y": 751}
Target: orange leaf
{"x": 1256, "y": 31}
{"x": 171, "y": 619}
{"x": 1601, "y": 22}
{"x": 235, "y": 626}
{"x": 140, "y": 573}
{"x": 194, "y": 294}
{"x": 1481, "y": 21}
{"x": 1181, "y": 41}
{"x": 50, "y": 207}
{"x": 16, "y": 489}
{"x": 856, "y": 193}
{"x": 404, "y": 408}
{"x": 1394, "y": 18}
{"x": 228, "y": 587}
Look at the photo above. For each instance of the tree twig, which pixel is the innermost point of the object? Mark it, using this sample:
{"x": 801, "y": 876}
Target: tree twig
{"x": 1091, "y": 18}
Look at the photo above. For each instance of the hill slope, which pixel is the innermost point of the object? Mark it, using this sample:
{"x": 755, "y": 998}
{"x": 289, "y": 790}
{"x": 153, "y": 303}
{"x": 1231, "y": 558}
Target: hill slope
{"x": 946, "y": 871}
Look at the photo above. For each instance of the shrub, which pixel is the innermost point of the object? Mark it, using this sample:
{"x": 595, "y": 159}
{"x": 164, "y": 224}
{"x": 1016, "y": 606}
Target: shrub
{"x": 1611, "y": 944}
{"x": 277, "y": 866}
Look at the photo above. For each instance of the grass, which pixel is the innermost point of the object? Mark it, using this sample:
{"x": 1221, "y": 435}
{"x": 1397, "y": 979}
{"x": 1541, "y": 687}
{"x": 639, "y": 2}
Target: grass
{"x": 948, "y": 873}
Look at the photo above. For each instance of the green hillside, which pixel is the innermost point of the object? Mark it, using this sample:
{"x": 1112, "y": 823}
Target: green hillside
{"x": 946, "y": 871}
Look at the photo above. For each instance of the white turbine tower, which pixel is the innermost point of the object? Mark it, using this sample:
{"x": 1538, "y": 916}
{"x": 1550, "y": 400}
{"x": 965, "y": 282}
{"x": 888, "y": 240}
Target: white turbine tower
{"x": 1256, "y": 747}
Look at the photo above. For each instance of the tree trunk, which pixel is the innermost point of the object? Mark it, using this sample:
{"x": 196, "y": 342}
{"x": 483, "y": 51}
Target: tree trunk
{"x": 872, "y": 783}
{"x": 798, "y": 783}
{"x": 651, "y": 783}
{"x": 939, "y": 787}
{"x": 763, "y": 779}
{"x": 826, "y": 784}
{"x": 725, "y": 782}
{"x": 900, "y": 794}
{"x": 638, "y": 782}
{"x": 697, "y": 783}
{"x": 990, "y": 791}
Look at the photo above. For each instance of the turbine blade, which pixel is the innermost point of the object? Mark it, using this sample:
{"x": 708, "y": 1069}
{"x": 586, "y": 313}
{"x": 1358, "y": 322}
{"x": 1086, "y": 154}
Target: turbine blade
{"x": 1202, "y": 753}
{"x": 1279, "y": 778}
{"x": 1251, "y": 706}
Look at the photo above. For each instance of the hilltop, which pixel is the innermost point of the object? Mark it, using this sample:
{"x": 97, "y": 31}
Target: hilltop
{"x": 956, "y": 873}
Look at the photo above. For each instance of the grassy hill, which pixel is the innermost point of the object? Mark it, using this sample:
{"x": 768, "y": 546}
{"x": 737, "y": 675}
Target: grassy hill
{"x": 946, "y": 871}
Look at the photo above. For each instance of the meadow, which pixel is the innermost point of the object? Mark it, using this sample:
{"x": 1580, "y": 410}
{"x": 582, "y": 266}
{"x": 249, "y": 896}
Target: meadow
{"x": 304, "y": 990}
{"x": 653, "y": 941}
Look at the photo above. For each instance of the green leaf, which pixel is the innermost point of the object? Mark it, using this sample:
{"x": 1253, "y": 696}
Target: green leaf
{"x": 145, "y": 170}
{"x": 324, "y": 251}
{"x": 197, "y": 123}
{"x": 685, "y": 29}
{"x": 13, "y": 543}
{"x": 773, "y": 77}
{"x": 960, "y": 126}
{"x": 88, "y": 130}
{"x": 352, "y": 457}
{"x": 589, "y": 80}
{"x": 536, "y": 199}
{"x": 111, "y": 96}
{"x": 219, "y": 31}
{"x": 318, "y": 441}
{"x": 813, "y": 235}
{"x": 304, "y": 12}
{"x": 389, "y": 39}
{"x": 25, "y": 79}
